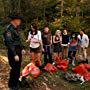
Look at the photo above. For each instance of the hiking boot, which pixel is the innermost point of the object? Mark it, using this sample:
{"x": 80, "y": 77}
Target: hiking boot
{"x": 87, "y": 61}
{"x": 82, "y": 62}
{"x": 24, "y": 83}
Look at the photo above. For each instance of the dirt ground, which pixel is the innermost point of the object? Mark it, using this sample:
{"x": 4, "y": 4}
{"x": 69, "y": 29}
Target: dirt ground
{"x": 45, "y": 81}
{"x": 4, "y": 75}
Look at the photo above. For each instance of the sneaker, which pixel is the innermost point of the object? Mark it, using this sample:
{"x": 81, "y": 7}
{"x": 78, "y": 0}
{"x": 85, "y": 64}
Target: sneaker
{"x": 53, "y": 63}
{"x": 73, "y": 63}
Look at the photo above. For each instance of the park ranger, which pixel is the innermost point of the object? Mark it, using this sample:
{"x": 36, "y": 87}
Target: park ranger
{"x": 13, "y": 42}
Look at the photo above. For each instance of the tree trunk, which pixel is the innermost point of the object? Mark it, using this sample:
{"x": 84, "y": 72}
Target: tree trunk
{"x": 62, "y": 3}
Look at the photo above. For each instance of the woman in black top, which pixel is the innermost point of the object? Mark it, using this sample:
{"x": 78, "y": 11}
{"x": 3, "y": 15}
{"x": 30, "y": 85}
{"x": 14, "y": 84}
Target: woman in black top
{"x": 57, "y": 39}
{"x": 65, "y": 44}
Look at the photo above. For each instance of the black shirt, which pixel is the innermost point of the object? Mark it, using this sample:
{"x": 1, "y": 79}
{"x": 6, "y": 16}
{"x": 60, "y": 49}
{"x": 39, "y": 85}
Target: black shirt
{"x": 65, "y": 39}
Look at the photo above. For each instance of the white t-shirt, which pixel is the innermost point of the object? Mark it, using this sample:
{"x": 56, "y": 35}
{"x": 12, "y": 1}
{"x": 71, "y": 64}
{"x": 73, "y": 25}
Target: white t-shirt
{"x": 35, "y": 39}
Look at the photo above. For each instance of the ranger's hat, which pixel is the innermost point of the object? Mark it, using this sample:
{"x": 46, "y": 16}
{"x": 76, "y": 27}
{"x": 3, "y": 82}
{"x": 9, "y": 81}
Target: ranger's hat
{"x": 12, "y": 17}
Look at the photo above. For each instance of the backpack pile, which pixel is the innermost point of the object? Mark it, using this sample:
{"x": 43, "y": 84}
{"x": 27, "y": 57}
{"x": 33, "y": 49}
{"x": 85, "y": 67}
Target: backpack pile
{"x": 32, "y": 70}
{"x": 61, "y": 64}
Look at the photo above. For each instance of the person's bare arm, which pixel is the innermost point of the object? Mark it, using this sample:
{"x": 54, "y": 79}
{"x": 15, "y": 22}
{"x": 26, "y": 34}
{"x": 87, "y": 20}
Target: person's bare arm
{"x": 28, "y": 40}
{"x": 51, "y": 40}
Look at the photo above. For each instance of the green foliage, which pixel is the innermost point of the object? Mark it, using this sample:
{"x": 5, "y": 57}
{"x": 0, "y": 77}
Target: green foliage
{"x": 57, "y": 14}
{"x": 1, "y": 35}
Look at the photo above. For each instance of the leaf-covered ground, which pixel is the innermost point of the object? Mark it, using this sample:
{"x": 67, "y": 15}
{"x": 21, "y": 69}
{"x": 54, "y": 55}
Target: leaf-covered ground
{"x": 45, "y": 81}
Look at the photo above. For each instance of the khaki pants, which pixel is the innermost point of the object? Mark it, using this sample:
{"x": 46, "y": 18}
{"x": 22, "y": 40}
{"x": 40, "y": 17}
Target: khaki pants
{"x": 64, "y": 52}
{"x": 83, "y": 52}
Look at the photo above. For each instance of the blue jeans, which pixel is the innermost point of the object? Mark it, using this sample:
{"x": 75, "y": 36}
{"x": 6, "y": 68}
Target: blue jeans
{"x": 47, "y": 54}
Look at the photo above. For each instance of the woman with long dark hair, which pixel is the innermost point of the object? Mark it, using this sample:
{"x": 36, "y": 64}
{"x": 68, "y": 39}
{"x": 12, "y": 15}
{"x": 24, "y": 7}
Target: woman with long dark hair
{"x": 65, "y": 44}
{"x": 35, "y": 40}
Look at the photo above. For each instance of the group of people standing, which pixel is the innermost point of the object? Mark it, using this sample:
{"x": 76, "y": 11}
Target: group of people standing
{"x": 61, "y": 44}
{"x": 50, "y": 46}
